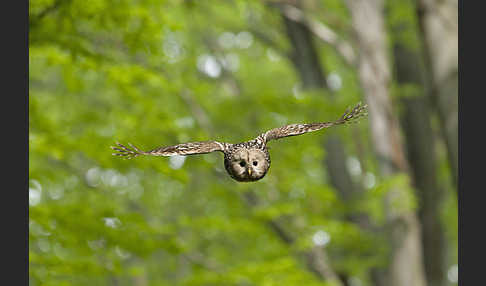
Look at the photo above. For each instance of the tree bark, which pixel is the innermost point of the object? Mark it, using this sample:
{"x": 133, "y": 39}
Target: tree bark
{"x": 406, "y": 265}
{"x": 305, "y": 58}
{"x": 422, "y": 160}
{"x": 421, "y": 155}
{"x": 304, "y": 55}
{"x": 438, "y": 30}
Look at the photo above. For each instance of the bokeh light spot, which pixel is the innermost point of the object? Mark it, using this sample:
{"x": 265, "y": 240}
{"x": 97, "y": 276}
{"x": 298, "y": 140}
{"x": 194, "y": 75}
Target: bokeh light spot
{"x": 321, "y": 238}
{"x": 453, "y": 273}
{"x": 209, "y": 65}
{"x": 177, "y": 161}
{"x": 244, "y": 40}
{"x": 334, "y": 81}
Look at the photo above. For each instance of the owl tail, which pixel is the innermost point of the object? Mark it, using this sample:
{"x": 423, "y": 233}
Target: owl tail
{"x": 127, "y": 152}
{"x": 352, "y": 116}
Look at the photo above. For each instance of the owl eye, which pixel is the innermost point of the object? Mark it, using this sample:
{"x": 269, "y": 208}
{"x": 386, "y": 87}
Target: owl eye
{"x": 242, "y": 163}
{"x": 255, "y": 163}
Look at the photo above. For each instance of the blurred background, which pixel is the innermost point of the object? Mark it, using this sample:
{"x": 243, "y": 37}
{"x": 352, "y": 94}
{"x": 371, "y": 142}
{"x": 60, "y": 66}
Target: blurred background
{"x": 373, "y": 203}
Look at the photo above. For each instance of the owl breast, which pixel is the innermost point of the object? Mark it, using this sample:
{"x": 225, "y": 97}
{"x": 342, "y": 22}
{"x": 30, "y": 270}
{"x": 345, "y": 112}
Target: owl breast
{"x": 247, "y": 162}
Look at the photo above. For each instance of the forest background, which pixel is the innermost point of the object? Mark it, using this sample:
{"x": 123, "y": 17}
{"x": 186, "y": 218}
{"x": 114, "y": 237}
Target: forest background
{"x": 374, "y": 203}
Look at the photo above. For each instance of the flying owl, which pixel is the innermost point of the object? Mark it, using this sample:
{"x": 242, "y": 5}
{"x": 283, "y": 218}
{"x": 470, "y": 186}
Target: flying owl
{"x": 247, "y": 161}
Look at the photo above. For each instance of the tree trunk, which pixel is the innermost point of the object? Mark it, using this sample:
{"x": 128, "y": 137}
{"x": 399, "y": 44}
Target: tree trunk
{"x": 422, "y": 160}
{"x": 304, "y": 55}
{"x": 406, "y": 265}
{"x": 421, "y": 155}
{"x": 438, "y": 30}
{"x": 305, "y": 58}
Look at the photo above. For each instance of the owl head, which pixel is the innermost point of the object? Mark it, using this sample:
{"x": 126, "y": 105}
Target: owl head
{"x": 247, "y": 165}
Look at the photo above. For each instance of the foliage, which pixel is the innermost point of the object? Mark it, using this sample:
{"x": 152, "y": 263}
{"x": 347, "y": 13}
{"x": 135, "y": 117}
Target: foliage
{"x": 158, "y": 73}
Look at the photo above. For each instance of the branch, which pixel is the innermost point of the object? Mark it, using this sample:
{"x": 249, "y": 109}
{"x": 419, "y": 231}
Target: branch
{"x": 34, "y": 19}
{"x": 198, "y": 112}
{"x": 208, "y": 263}
{"x": 440, "y": 9}
{"x": 321, "y": 31}
{"x": 317, "y": 260}
{"x": 268, "y": 41}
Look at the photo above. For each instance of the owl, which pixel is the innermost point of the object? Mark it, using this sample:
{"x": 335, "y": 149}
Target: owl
{"x": 246, "y": 161}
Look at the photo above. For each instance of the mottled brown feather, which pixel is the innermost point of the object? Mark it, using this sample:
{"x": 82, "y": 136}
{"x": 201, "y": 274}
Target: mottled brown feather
{"x": 190, "y": 148}
{"x": 299, "y": 129}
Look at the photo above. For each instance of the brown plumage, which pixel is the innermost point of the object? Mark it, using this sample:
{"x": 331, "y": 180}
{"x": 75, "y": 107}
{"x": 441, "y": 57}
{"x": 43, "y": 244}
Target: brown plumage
{"x": 246, "y": 161}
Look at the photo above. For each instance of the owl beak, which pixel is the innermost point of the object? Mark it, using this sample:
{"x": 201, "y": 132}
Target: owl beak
{"x": 249, "y": 171}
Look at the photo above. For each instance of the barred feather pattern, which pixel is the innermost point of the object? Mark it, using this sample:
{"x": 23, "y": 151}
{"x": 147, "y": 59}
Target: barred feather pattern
{"x": 257, "y": 143}
{"x": 126, "y": 152}
{"x": 350, "y": 116}
{"x": 191, "y": 148}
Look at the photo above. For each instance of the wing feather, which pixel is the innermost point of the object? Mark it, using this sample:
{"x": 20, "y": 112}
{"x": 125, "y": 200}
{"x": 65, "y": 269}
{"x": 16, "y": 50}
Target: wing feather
{"x": 349, "y": 116}
{"x": 190, "y": 148}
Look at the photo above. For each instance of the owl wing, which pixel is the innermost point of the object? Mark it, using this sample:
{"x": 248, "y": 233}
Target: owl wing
{"x": 191, "y": 148}
{"x": 349, "y": 116}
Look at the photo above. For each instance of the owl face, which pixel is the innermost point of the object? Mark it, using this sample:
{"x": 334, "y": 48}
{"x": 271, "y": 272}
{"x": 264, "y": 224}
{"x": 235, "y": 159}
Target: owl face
{"x": 246, "y": 165}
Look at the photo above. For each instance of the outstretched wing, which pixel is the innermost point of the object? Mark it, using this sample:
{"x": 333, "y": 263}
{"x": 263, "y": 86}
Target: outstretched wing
{"x": 349, "y": 116}
{"x": 190, "y": 148}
